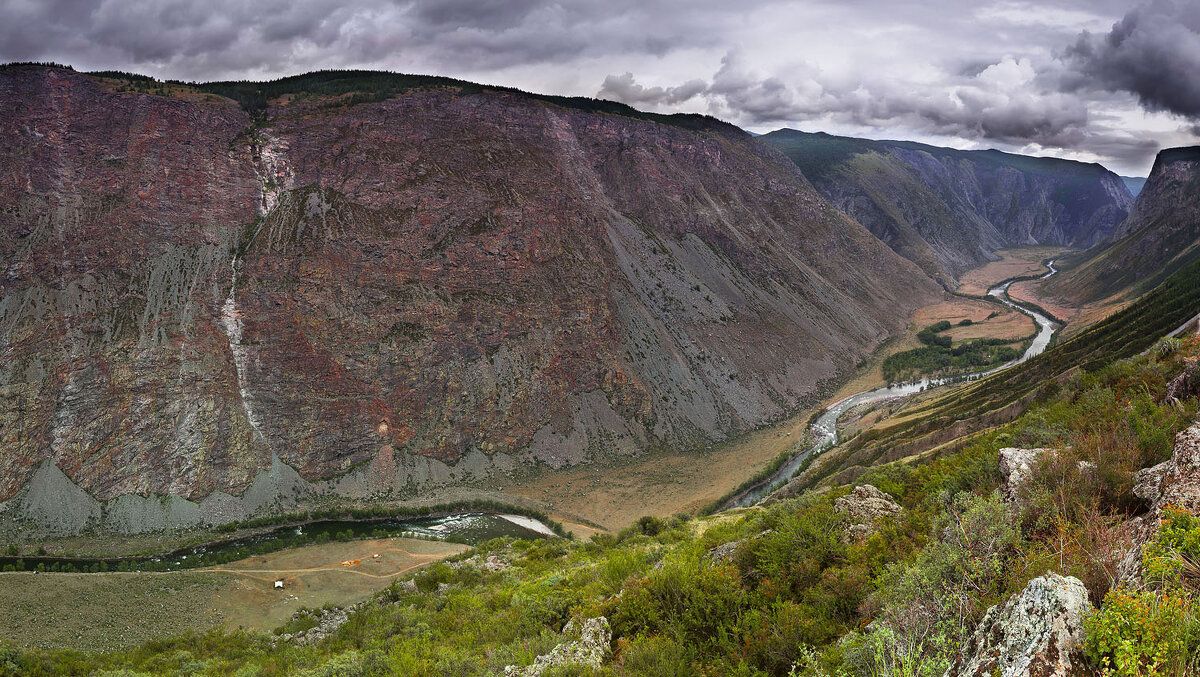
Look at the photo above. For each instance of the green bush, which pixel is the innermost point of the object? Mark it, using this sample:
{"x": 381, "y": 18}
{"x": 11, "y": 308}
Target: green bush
{"x": 1172, "y": 559}
{"x": 1143, "y": 633}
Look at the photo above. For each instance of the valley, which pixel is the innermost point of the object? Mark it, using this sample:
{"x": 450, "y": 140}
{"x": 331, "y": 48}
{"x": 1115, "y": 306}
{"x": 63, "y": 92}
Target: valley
{"x": 367, "y": 373}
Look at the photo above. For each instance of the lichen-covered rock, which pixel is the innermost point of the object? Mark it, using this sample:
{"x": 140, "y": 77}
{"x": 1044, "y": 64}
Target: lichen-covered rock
{"x": 724, "y": 553}
{"x": 1174, "y": 482}
{"x": 328, "y": 621}
{"x": 489, "y": 564}
{"x": 1147, "y": 482}
{"x": 1038, "y": 633}
{"x": 865, "y": 506}
{"x": 1017, "y": 467}
{"x": 589, "y": 650}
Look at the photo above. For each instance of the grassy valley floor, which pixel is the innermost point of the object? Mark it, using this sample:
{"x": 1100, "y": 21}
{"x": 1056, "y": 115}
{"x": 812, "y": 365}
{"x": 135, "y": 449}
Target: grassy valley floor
{"x": 95, "y": 612}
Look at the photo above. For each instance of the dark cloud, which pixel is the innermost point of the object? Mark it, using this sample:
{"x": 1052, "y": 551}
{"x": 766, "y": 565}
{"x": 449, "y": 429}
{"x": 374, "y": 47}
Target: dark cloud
{"x": 222, "y": 38}
{"x": 998, "y": 102}
{"x": 623, "y": 88}
{"x": 1016, "y": 73}
{"x": 1153, "y": 53}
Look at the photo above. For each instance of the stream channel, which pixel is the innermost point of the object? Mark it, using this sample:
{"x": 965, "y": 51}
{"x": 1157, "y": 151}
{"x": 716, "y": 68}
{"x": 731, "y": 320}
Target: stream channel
{"x": 824, "y": 430}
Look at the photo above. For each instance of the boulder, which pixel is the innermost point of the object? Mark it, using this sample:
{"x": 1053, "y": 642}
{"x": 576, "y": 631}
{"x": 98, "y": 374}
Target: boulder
{"x": 1037, "y": 633}
{"x": 589, "y": 650}
{"x": 1017, "y": 467}
{"x": 1147, "y": 482}
{"x": 1175, "y": 482}
{"x": 865, "y": 506}
{"x": 328, "y": 621}
{"x": 1186, "y": 384}
{"x": 724, "y": 553}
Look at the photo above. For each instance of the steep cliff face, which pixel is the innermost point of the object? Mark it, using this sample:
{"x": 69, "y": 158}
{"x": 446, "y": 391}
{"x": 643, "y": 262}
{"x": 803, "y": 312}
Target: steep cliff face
{"x": 1161, "y": 235}
{"x": 389, "y": 294}
{"x": 949, "y": 210}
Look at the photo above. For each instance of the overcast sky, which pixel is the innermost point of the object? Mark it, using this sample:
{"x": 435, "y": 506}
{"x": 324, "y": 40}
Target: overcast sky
{"x": 1098, "y": 80}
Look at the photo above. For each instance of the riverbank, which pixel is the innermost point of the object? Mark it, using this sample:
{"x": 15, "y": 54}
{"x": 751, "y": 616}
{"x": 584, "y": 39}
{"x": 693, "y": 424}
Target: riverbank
{"x": 824, "y": 430}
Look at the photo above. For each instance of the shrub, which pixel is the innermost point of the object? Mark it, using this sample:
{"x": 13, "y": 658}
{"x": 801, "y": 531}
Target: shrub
{"x": 1172, "y": 559}
{"x": 1143, "y": 633}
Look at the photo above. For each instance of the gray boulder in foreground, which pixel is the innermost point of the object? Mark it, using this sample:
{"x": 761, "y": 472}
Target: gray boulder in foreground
{"x": 1037, "y": 633}
{"x": 589, "y": 651}
{"x": 1017, "y": 467}
{"x": 865, "y": 506}
{"x": 1174, "y": 482}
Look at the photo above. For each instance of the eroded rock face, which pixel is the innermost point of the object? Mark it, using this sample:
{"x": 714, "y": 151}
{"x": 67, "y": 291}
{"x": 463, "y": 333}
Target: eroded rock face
{"x": 865, "y": 506}
{"x": 589, "y": 650}
{"x": 1038, "y": 633}
{"x": 1155, "y": 239}
{"x": 1175, "y": 482}
{"x": 400, "y": 294}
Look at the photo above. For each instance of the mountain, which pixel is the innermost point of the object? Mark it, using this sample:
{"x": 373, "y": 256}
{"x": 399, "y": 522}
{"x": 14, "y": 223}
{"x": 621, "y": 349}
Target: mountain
{"x": 368, "y": 284}
{"x": 1159, "y": 237}
{"x": 949, "y": 210}
{"x": 1134, "y": 184}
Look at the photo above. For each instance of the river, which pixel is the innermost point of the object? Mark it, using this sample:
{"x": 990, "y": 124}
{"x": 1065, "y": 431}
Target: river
{"x": 824, "y": 429}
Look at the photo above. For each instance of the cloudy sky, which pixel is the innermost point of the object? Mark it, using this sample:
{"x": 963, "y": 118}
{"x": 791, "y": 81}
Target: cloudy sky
{"x": 1097, "y": 80}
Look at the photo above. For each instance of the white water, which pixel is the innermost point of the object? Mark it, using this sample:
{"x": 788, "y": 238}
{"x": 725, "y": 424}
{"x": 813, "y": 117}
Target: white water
{"x": 824, "y": 430}
{"x": 529, "y": 523}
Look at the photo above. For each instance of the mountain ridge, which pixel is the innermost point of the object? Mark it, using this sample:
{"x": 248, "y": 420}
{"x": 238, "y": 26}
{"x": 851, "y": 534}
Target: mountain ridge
{"x": 1157, "y": 238}
{"x": 355, "y": 297}
{"x": 949, "y": 210}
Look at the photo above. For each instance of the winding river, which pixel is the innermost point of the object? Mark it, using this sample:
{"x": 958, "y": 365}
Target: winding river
{"x": 824, "y": 429}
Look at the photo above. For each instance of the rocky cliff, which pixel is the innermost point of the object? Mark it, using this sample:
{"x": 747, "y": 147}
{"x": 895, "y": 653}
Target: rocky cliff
{"x": 1160, "y": 236}
{"x": 949, "y": 210}
{"x": 205, "y": 313}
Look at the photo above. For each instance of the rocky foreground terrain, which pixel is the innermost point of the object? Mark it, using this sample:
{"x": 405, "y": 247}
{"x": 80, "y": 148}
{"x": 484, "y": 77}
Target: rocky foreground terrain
{"x": 204, "y": 314}
{"x": 949, "y": 210}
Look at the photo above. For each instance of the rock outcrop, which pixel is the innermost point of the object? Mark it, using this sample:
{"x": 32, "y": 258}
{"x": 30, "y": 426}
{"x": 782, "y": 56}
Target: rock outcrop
{"x": 950, "y": 210}
{"x": 1038, "y": 633}
{"x": 724, "y": 553}
{"x": 379, "y": 298}
{"x": 864, "y": 506}
{"x": 328, "y": 622}
{"x": 1186, "y": 384}
{"x": 1174, "y": 482}
{"x": 589, "y": 650}
{"x": 1016, "y": 465}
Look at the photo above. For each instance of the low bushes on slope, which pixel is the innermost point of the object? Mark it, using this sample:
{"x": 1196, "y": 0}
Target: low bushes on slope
{"x": 792, "y": 596}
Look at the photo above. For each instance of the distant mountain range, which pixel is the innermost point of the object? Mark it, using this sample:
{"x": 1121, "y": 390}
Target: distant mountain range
{"x": 1134, "y": 183}
{"x": 950, "y": 210}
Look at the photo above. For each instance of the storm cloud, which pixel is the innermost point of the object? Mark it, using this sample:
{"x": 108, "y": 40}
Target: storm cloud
{"x": 1153, "y": 52}
{"x": 1106, "y": 80}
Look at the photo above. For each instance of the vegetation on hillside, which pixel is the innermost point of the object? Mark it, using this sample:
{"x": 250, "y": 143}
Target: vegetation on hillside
{"x": 794, "y": 597}
{"x": 984, "y": 403}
